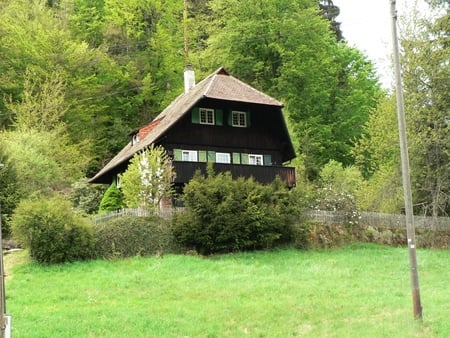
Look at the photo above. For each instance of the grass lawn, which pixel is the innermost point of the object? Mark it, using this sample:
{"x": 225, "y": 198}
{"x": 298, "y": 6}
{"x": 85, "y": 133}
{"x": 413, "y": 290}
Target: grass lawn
{"x": 354, "y": 291}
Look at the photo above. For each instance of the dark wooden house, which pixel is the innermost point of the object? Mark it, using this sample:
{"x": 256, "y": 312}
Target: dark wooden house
{"x": 220, "y": 120}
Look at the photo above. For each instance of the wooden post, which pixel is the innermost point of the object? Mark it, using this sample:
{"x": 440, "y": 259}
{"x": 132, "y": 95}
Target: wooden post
{"x": 417, "y": 307}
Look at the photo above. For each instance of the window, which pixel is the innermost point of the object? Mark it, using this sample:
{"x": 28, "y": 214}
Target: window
{"x": 135, "y": 139}
{"x": 189, "y": 155}
{"x": 206, "y": 116}
{"x": 255, "y": 159}
{"x": 223, "y": 158}
{"x": 238, "y": 119}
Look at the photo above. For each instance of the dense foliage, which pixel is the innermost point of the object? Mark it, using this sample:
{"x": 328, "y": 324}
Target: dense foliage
{"x": 426, "y": 70}
{"x": 131, "y": 235}
{"x": 51, "y": 231}
{"x": 76, "y": 76}
{"x": 112, "y": 199}
{"x": 224, "y": 215}
{"x": 86, "y": 197}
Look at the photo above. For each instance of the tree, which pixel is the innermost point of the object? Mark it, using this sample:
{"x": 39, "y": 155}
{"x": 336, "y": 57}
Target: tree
{"x": 330, "y": 12}
{"x": 147, "y": 179}
{"x": 286, "y": 49}
{"x": 377, "y": 156}
{"x": 86, "y": 197}
{"x": 426, "y": 73}
{"x": 103, "y": 98}
{"x": 339, "y": 188}
{"x": 9, "y": 192}
{"x": 112, "y": 199}
{"x": 43, "y": 105}
{"x": 39, "y": 146}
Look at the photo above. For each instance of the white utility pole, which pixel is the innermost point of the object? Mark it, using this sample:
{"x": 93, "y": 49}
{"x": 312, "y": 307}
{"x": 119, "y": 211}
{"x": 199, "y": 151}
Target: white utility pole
{"x": 417, "y": 307}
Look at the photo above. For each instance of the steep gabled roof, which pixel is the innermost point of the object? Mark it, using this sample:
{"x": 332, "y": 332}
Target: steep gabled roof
{"x": 219, "y": 85}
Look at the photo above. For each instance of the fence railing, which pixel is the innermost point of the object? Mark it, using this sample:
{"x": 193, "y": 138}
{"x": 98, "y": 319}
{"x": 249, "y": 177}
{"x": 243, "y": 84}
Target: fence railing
{"x": 328, "y": 217}
{"x": 380, "y": 219}
{"x": 166, "y": 213}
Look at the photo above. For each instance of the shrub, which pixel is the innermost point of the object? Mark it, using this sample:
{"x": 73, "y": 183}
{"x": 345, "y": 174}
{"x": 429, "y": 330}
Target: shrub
{"x": 112, "y": 199}
{"x": 10, "y": 193}
{"x": 52, "y": 231}
{"x": 86, "y": 197}
{"x": 131, "y": 235}
{"x": 224, "y": 215}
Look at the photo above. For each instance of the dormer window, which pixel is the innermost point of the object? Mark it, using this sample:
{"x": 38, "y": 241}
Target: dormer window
{"x": 206, "y": 116}
{"x": 135, "y": 139}
{"x": 239, "y": 119}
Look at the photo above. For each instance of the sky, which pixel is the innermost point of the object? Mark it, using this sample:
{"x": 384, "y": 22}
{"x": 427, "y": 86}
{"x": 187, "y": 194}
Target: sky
{"x": 366, "y": 24}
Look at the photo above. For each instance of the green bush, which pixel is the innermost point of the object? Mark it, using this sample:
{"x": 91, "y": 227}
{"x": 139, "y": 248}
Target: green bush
{"x": 52, "y": 231}
{"x": 112, "y": 199}
{"x": 225, "y": 215}
{"x": 131, "y": 235}
{"x": 86, "y": 197}
{"x": 10, "y": 193}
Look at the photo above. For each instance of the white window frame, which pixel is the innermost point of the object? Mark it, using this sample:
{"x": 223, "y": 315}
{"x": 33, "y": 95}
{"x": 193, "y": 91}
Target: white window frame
{"x": 206, "y": 116}
{"x": 118, "y": 181}
{"x": 239, "y": 119}
{"x": 255, "y": 159}
{"x": 223, "y": 158}
{"x": 189, "y": 155}
{"x": 135, "y": 139}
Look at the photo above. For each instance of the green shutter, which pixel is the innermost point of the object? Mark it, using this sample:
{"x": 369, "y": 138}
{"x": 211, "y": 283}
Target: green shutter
{"x": 248, "y": 119}
{"x": 177, "y": 154}
{"x": 230, "y": 118}
{"x": 267, "y": 160}
{"x": 211, "y": 156}
{"x": 195, "y": 115}
{"x": 202, "y": 155}
{"x": 244, "y": 158}
{"x": 218, "y": 117}
{"x": 236, "y": 158}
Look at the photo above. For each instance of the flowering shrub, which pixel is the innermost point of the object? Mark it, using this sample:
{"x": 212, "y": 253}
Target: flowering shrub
{"x": 330, "y": 200}
{"x": 147, "y": 179}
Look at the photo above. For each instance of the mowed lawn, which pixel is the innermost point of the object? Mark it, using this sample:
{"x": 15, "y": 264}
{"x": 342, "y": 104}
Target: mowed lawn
{"x": 356, "y": 291}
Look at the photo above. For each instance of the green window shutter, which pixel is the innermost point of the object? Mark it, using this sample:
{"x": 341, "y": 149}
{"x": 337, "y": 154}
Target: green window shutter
{"x": 267, "y": 160}
{"x": 211, "y": 156}
{"x": 248, "y": 119}
{"x": 177, "y": 154}
{"x": 195, "y": 115}
{"x": 218, "y": 117}
{"x": 230, "y": 118}
{"x": 236, "y": 158}
{"x": 244, "y": 158}
{"x": 202, "y": 155}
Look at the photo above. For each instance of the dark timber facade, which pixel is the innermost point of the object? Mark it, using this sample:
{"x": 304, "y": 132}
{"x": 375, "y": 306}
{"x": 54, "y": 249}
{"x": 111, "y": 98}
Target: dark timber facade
{"x": 220, "y": 120}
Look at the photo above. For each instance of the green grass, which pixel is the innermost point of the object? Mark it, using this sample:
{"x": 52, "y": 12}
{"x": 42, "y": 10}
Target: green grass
{"x": 355, "y": 291}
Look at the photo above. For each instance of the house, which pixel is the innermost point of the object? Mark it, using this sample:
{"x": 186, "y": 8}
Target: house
{"x": 220, "y": 120}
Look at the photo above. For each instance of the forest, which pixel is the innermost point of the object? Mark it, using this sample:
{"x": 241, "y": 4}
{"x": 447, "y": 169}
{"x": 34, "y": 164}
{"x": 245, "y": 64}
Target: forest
{"x": 76, "y": 76}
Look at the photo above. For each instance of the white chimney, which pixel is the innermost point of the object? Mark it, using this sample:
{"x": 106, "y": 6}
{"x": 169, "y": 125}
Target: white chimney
{"x": 189, "y": 78}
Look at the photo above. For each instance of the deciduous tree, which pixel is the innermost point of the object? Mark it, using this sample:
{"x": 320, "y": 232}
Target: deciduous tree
{"x": 148, "y": 178}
